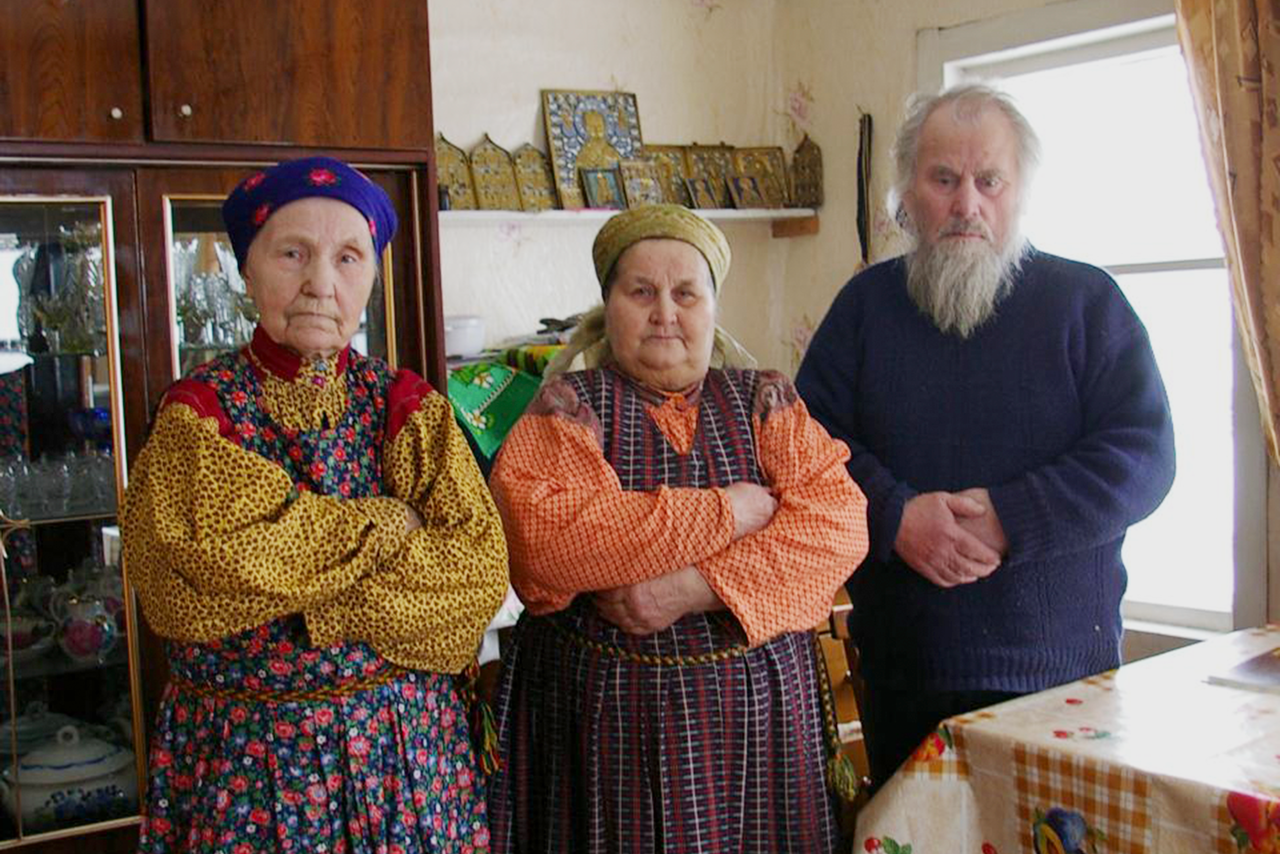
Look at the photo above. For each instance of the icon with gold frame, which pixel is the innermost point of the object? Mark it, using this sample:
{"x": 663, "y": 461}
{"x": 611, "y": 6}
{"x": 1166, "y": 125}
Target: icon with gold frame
{"x": 533, "y": 179}
{"x": 713, "y": 162}
{"x": 587, "y": 130}
{"x": 702, "y": 192}
{"x": 806, "y": 175}
{"x": 769, "y": 166}
{"x": 640, "y": 182}
{"x": 669, "y": 159}
{"x": 602, "y": 188}
{"x": 453, "y": 172}
{"x": 494, "y": 177}
{"x": 745, "y": 192}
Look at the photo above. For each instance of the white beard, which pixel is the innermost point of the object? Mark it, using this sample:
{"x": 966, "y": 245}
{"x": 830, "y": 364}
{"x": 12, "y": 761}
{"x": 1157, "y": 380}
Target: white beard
{"x": 958, "y": 283}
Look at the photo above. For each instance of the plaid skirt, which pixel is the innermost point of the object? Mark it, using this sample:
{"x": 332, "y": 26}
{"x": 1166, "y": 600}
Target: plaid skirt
{"x": 679, "y": 741}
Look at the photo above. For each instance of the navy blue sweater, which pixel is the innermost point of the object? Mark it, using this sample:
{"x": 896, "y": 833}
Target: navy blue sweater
{"x": 1056, "y": 406}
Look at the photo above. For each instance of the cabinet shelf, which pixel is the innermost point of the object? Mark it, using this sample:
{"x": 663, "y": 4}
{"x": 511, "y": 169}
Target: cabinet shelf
{"x": 54, "y": 662}
{"x": 88, "y": 515}
{"x": 793, "y": 217}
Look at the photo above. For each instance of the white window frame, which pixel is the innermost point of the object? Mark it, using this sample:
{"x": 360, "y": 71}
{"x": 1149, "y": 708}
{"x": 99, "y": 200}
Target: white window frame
{"x": 1081, "y": 31}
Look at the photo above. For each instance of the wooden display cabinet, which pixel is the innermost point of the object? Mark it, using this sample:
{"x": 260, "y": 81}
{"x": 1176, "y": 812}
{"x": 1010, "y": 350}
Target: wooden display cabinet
{"x": 101, "y": 165}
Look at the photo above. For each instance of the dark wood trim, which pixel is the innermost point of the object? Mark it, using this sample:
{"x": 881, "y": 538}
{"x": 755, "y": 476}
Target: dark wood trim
{"x": 431, "y": 316}
{"x": 431, "y": 313}
{"x": 28, "y": 152}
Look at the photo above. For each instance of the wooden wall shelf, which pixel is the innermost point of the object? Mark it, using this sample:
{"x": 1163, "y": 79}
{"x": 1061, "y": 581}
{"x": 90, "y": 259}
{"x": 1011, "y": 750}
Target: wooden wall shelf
{"x": 786, "y": 222}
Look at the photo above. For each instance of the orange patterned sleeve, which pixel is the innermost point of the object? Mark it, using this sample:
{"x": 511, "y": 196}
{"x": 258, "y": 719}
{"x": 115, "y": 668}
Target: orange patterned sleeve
{"x": 571, "y": 527}
{"x": 785, "y": 576}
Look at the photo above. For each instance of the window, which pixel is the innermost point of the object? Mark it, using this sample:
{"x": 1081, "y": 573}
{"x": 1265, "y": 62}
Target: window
{"x": 1122, "y": 184}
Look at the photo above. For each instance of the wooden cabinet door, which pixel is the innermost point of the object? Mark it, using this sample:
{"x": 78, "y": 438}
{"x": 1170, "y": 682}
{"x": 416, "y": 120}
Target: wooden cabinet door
{"x": 328, "y": 73}
{"x": 69, "y": 70}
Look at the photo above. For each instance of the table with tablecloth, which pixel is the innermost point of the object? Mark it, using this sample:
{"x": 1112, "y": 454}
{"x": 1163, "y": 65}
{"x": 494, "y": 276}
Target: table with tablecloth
{"x": 1147, "y": 758}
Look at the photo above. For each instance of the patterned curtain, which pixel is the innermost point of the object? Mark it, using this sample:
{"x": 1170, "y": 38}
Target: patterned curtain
{"x": 1231, "y": 48}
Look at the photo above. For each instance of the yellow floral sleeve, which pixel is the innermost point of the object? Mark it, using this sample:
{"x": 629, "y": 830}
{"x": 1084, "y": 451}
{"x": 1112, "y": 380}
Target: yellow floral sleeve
{"x": 216, "y": 539}
{"x": 429, "y": 605}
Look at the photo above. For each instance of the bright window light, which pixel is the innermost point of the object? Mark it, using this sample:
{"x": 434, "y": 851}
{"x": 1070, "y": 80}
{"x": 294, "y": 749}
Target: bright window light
{"x": 1122, "y": 185}
{"x": 1123, "y": 180}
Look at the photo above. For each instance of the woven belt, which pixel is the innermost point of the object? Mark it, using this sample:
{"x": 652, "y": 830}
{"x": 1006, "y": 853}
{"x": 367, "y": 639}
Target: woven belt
{"x": 649, "y": 658}
{"x": 335, "y": 691}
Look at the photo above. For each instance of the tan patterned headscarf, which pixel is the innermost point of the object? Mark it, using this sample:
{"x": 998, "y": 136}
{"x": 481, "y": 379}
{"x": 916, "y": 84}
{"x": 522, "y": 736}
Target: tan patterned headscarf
{"x": 589, "y": 348}
{"x": 657, "y": 221}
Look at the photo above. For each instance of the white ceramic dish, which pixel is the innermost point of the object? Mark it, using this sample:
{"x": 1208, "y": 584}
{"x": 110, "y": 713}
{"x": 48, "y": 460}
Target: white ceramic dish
{"x": 463, "y": 335}
{"x": 72, "y": 779}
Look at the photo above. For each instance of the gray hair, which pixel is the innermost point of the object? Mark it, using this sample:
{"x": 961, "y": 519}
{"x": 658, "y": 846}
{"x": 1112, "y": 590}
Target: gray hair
{"x": 970, "y": 100}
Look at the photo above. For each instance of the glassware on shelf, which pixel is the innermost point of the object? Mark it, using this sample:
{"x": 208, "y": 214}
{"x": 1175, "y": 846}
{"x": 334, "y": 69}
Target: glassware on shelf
{"x": 15, "y": 485}
{"x": 61, "y": 302}
{"x": 9, "y": 490}
{"x": 53, "y": 479}
{"x": 79, "y": 483}
{"x": 60, "y": 637}
{"x": 213, "y": 309}
{"x": 213, "y": 314}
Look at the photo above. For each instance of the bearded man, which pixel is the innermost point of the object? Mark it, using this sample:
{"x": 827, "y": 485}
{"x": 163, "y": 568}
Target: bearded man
{"x": 1007, "y": 422}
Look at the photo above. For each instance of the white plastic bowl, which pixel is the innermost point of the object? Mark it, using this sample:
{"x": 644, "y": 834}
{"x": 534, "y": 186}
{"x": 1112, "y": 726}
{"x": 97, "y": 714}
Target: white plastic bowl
{"x": 463, "y": 335}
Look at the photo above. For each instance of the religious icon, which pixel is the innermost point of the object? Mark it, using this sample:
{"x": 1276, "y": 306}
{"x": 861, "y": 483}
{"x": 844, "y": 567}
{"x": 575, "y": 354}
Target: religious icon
{"x": 806, "y": 175}
{"x": 588, "y": 130}
{"x": 702, "y": 193}
{"x": 453, "y": 172}
{"x": 534, "y": 179}
{"x": 745, "y": 192}
{"x": 494, "y": 177}
{"x": 669, "y": 159}
{"x": 713, "y": 162}
{"x": 602, "y": 188}
{"x": 641, "y": 183}
{"x": 769, "y": 167}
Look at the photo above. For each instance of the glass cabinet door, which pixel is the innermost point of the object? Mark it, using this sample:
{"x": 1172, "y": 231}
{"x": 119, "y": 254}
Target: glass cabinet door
{"x": 212, "y": 313}
{"x": 67, "y": 720}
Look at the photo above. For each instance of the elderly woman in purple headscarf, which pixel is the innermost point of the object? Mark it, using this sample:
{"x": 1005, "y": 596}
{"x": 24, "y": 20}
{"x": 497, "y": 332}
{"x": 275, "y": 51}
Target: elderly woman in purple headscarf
{"x": 307, "y": 530}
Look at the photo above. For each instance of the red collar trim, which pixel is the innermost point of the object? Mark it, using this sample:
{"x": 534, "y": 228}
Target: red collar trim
{"x": 282, "y": 361}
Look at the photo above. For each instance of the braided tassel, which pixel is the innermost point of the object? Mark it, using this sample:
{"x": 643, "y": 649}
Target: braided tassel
{"x": 841, "y": 776}
{"x": 487, "y": 742}
{"x": 480, "y": 719}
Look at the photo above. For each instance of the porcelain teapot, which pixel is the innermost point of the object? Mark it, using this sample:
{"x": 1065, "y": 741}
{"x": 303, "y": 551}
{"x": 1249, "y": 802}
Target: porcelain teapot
{"x": 73, "y": 779}
{"x": 86, "y": 629}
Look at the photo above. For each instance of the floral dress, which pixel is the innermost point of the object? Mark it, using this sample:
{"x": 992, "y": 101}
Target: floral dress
{"x": 280, "y": 736}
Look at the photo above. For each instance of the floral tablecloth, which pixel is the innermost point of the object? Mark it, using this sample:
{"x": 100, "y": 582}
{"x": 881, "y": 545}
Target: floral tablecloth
{"x": 1147, "y": 758}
